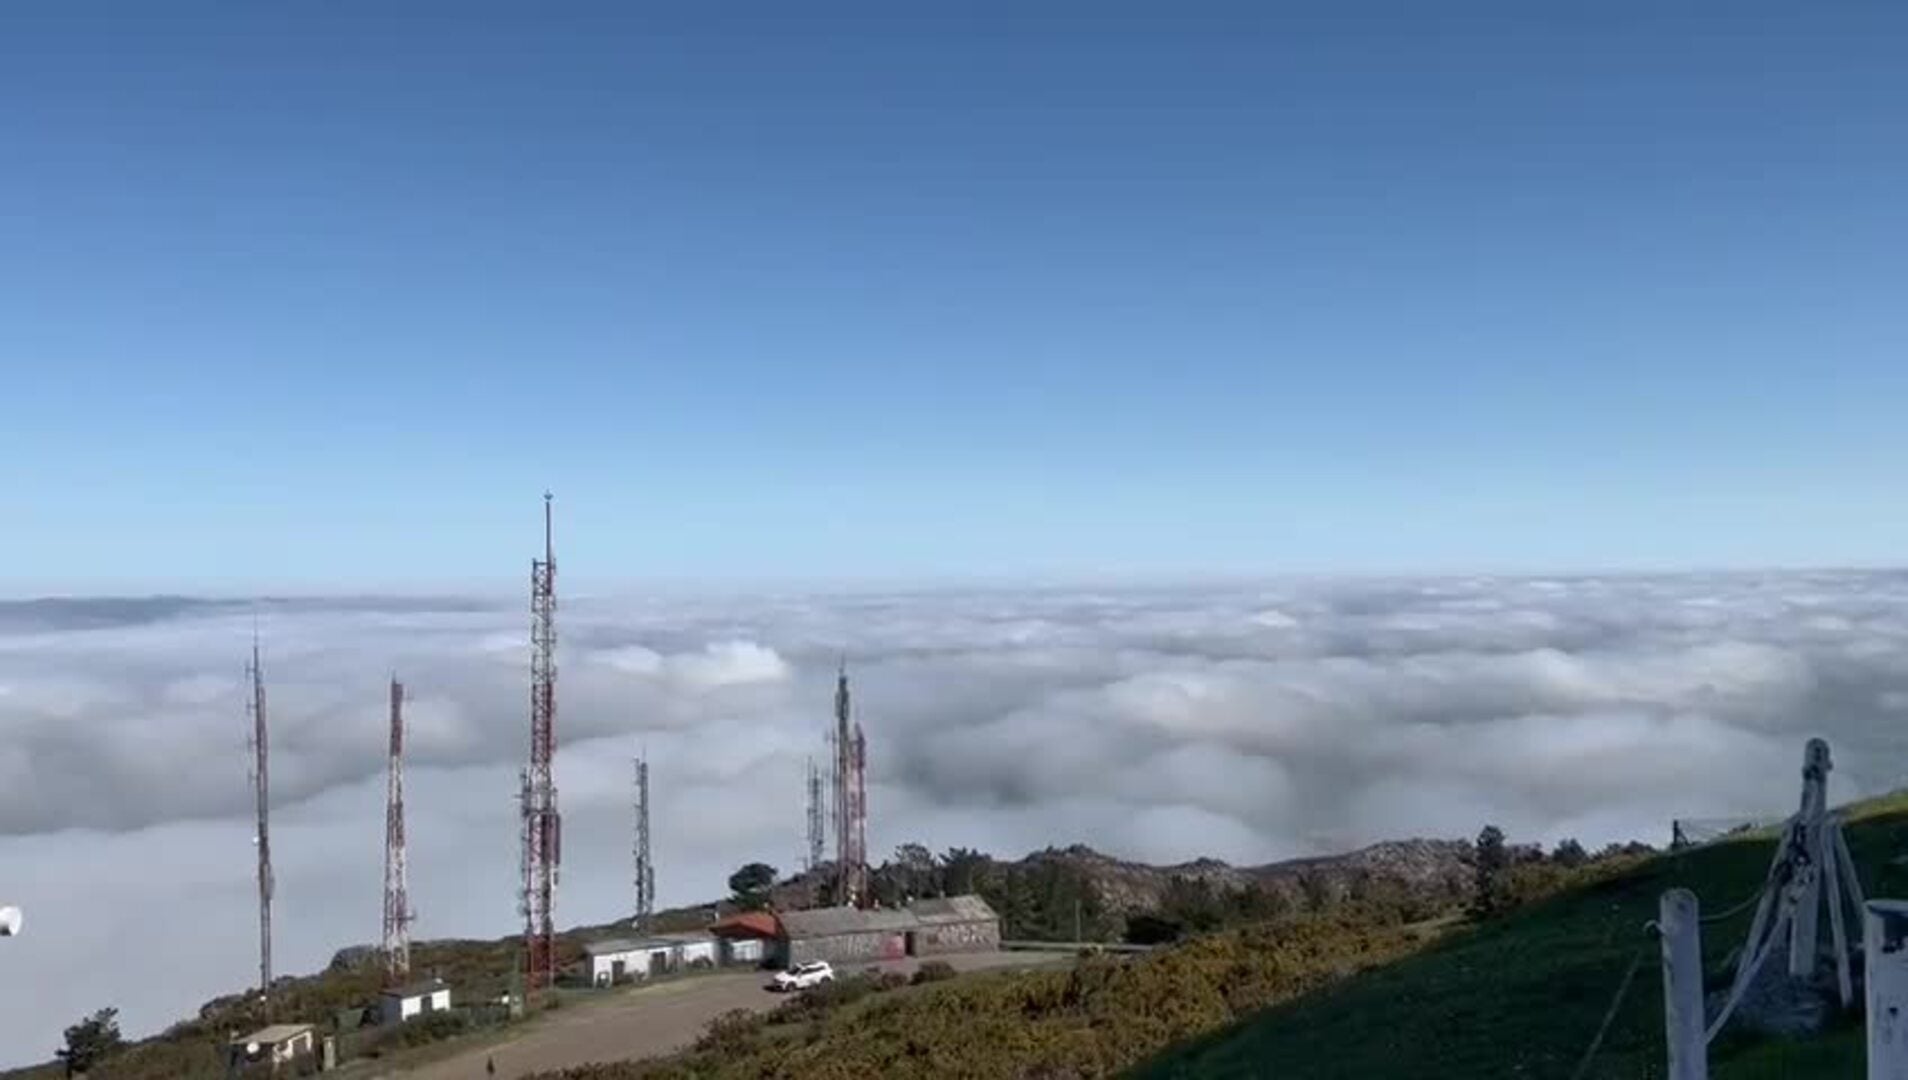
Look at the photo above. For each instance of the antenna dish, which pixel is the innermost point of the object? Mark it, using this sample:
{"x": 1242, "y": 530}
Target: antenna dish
{"x": 9, "y": 922}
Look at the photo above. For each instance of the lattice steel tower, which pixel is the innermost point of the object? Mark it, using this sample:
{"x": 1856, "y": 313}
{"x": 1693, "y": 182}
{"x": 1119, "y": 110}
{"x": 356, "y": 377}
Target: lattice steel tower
{"x": 542, "y": 825}
{"x": 851, "y": 801}
{"x": 397, "y": 901}
{"x": 645, "y": 868}
{"x": 817, "y": 819}
{"x": 262, "y": 788}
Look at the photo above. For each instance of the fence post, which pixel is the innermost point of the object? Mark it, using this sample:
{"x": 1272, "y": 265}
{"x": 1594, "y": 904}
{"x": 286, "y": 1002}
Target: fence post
{"x": 1683, "y": 1020}
{"x": 1885, "y": 962}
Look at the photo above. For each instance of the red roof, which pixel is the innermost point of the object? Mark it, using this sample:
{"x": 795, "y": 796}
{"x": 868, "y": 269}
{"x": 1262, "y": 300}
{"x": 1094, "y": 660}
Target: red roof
{"x": 762, "y": 924}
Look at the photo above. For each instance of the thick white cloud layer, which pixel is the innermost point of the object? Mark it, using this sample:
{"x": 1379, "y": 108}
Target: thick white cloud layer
{"x": 1249, "y": 724}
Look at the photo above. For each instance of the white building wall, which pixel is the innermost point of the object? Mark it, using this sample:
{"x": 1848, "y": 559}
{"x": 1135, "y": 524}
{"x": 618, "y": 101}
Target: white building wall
{"x": 698, "y": 950}
{"x": 396, "y": 1010}
{"x": 292, "y": 1047}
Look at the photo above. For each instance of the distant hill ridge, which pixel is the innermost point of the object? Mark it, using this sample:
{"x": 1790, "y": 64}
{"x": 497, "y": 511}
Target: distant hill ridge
{"x": 1441, "y": 866}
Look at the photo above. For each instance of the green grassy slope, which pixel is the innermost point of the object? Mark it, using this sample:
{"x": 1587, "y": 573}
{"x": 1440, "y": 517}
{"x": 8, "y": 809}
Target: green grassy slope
{"x": 1524, "y": 995}
{"x": 1092, "y": 1017}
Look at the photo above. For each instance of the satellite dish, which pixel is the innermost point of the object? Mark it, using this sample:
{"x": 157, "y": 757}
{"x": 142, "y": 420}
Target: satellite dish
{"x": 251, "y": 1049}
{"x": 9, "y": 921}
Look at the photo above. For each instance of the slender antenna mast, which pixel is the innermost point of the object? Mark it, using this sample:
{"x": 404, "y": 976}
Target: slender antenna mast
{"x": 262, "y": 787}
{"x": 542, "y": 825}
{"x": 397, "y": 901}
{"x": 863, "y": 897}
{"x": 645, "y": 869}
{"x": 817, "y": 830}
{"x": 850, "y": 801}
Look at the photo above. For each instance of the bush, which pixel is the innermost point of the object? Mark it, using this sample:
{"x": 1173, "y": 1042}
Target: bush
{"x": 734, "y": 1032}
{"x": 432, "y": 1027}
{"x": 890, "y": 980}
{"x": 816, "y": 1002}
{"x": 933, "y": 971}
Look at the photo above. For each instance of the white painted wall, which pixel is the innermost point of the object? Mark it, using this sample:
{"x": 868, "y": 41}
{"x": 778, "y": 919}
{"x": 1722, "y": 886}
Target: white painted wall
{"x": 298, "y": 1044}
{"x": 636, "y": 964}
{"x": 396, "y": 1010}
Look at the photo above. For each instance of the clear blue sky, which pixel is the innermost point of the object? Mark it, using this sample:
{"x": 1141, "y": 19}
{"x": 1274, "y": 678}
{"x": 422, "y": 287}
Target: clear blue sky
{"x": 327, "y": 296}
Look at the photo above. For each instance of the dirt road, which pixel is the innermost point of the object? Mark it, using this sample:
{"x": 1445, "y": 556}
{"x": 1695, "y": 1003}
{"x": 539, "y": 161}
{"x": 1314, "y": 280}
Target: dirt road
{"x": 647, "y": 1021}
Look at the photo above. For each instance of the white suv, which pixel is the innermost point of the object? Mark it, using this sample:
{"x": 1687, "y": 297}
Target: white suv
{"x": 803, "y": 976}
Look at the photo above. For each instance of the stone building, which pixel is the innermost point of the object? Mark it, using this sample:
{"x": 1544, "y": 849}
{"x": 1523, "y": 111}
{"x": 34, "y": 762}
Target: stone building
{"x": 843, "y": 935}
{"x": 954, "y": 924}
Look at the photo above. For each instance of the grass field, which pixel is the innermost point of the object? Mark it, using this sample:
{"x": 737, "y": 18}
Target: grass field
{"x": 1523, "y": 996}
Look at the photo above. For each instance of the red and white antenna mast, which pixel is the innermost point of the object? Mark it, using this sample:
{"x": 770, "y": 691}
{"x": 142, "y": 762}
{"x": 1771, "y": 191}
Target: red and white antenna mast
{"x": 262, "y": 787}
{"x": 542, "y": 825}
{"x": 397, "y": 901}
{"x": 851, "y": 801}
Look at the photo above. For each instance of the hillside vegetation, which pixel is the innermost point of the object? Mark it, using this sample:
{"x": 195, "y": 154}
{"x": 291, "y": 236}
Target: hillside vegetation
{"x": 1524, "y": 995}
{"x": 1519, "y": 987}
{"x": 1096, "y": 1019}
{"x": 1049, "y": 895}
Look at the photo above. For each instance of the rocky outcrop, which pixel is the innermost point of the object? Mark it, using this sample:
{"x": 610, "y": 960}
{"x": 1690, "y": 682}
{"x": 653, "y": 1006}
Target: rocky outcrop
{"x": 1439, "y": 867}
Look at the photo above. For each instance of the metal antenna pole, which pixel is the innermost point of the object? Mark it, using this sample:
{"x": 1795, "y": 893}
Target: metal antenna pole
{"x": 645, "y": 868}
{"x": 817, "y": 830}
{"x": 261, "y": 786}
{"x": 543, "y": 826}
{"x": 844, "y": 746}
{"x": 397, "y": 902}
{"x": 860, "y": 822}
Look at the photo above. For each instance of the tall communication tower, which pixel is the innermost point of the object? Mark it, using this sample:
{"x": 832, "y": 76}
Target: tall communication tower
{"x": 397, "y": 901}
{"x": 262, "y": 788}
{"x": 542, "y": 825}
{"x": 645, "y": 869}
{"x": 817, "y": 828}
{"x": 851, "y": 801}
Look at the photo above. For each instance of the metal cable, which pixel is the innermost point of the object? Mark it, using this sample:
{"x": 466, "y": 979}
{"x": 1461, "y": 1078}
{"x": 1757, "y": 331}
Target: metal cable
{"x": 1749, "y": 977}
{"x": 1616, "y": 1003}
{"x": 1734, "y": 911}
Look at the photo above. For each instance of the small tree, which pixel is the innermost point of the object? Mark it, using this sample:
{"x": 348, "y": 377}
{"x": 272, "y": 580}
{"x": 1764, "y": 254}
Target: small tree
{"x": 920, "y": 872}
{"x": 962, "y": 870}
{"x": 1569, "y": 854}
{"x": 91, "y": 1041}
{"x": 1492, "y": 860}
{"x": 751, "y": 885}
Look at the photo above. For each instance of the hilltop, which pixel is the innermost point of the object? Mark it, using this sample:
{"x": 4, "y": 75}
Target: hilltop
{"x": 1350, "y": 993}
{"x": 1039, "y": 897}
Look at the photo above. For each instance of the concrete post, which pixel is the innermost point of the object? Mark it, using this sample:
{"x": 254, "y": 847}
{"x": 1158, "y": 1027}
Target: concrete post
{"x": 1678, "y": 917}
{"x": 1885, "y": 945}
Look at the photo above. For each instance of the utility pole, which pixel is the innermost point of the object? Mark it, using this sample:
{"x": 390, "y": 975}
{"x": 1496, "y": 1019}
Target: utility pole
{"x": 397, "y": 901}
{"x": 645, "y": 869}
{"x": 261, "y": 787}
{"x": 542, "y": 825}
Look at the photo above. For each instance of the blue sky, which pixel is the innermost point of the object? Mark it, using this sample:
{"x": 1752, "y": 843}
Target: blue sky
{"x": 325, "y": 298}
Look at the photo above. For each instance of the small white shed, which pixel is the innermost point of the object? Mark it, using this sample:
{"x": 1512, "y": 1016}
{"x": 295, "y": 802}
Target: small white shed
{"x": 400, "y": 1003}
{"x": 621, "y": 959}
{"x": 278, "y": 1044}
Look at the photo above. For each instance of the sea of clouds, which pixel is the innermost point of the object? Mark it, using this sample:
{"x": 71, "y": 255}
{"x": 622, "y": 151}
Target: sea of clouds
{"x": 1250, "y": 723}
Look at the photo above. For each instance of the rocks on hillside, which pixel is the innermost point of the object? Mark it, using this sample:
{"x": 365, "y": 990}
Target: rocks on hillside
{"x": 1440, "y": 866}
{"x": 352, "y": 957}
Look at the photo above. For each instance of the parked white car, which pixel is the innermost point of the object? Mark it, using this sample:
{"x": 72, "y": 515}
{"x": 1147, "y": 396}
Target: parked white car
{"x": 803, "y": 976}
